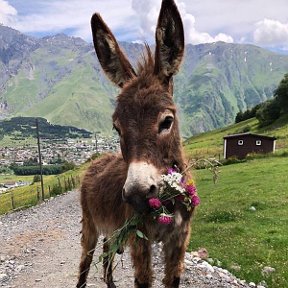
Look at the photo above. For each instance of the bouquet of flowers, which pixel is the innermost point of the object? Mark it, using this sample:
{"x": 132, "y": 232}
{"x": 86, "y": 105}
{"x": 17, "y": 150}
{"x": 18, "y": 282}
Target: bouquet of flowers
{"x": 174, "y": 188}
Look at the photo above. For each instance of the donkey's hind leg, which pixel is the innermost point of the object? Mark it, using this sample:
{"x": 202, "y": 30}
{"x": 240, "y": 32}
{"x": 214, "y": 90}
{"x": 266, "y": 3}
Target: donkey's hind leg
{"x": 108, "y": 266}
{"x": 88, "y": 241}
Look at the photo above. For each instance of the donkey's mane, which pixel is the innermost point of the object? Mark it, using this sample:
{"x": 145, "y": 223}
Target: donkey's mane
{"x": 145, "y": 65}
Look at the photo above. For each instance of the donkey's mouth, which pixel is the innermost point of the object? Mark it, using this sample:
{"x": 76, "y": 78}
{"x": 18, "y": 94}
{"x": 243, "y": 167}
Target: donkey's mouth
{"x": 139, "y": 204}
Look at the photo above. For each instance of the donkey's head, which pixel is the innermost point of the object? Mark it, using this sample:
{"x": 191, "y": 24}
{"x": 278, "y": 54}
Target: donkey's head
{"x": 145, "y": 114}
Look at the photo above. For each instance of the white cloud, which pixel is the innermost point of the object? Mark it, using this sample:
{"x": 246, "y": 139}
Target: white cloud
{"x": 148, "y": 11}
{"x": 7, "y": 12}
{"x": 194, "y": 36}
{"x": 56, "y": 16}
{"x": 131, "y": 20}
{"x": 271, "y": 33}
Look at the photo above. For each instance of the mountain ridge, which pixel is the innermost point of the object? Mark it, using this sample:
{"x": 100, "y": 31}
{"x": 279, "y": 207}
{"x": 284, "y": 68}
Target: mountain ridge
{"x": 59, "y": 78}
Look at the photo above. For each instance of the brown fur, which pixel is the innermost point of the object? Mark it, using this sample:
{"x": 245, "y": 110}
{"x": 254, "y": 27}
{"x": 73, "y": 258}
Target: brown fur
{"x": 145, "y": 97}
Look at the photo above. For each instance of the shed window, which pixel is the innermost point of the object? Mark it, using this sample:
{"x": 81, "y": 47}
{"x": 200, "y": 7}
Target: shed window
{"x": 240, "y": 142}
{"x": 258, "y": 142}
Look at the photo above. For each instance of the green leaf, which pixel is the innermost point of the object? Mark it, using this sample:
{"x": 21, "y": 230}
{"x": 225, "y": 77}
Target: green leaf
{"x": 141, "y": 235}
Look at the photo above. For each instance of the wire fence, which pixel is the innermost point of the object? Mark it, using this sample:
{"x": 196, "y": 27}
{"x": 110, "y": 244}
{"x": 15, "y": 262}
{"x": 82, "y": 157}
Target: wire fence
{"x": 23, "y": 197}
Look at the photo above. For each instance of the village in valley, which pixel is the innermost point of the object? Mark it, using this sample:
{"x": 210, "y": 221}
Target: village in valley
{"x": 75, "y": 151}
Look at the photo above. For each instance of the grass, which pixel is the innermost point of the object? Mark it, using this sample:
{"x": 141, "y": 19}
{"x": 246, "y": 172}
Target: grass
{"x": 210, "y": 144}
{"x": 234, "y": 234}
{"x": 12, "y": 177}
{"x": 27, "y": 195}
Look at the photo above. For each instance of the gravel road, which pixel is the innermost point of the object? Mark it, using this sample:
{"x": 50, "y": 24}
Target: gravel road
{"x": 40, "y": 247}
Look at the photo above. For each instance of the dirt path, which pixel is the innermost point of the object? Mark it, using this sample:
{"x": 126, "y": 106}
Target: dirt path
{"x": 40, "y": 247}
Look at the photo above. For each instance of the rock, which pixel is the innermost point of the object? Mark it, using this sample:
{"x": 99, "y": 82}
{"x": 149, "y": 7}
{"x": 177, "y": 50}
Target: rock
{"x": 262, "y": 284}
{"x": 235, "y": 267}
{"x": 210, "y": 261}
{"x": 3, "y": 278}
{"x": 267, "y": 270}
{"x": 2, "y": 258}
{"x": 203, "y": 253}
{"x": 206, "y": 266}
{"x": 209, "y": 276}
{"x": 19, "y": 268}
{"x": 252, "y": 284}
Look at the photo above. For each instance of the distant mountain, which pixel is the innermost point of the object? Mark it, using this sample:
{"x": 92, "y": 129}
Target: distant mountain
{"x": 24, "y": 127}
{"x": 59, "y": 78}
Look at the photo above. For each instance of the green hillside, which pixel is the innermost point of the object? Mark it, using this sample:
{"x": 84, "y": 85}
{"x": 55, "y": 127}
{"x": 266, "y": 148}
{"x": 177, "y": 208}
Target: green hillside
{"x": 60, "y": 84}
{"x": 219, "y": 79}
{"x": 59, "y": 78}
{"x": 24, "y": 128}
{"x": 210, "y": 144}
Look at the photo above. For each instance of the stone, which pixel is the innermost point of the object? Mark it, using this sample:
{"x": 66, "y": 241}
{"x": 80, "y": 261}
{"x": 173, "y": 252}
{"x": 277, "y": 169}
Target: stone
{"x": 3, "y": 277}
{"x": 19, "y": 268}
{"x": 206, "y": 266}
{"x": 235, "y": 267}
{"x": 203, "y": 253}
{"x": 2, "y": 258}
{"x": 267, "y": 270}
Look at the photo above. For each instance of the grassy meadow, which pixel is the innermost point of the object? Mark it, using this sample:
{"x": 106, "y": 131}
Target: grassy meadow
{"x": 237, "y": 236}
{"x": 26, "y": 196}
{"x": 225, "y": 224}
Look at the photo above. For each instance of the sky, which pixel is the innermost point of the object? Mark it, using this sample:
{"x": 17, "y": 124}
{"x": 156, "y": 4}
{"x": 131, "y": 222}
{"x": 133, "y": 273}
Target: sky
{"x": 260, "y": 22}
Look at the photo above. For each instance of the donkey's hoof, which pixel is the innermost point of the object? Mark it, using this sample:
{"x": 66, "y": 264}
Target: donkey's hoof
{"x": 111, "y": 285}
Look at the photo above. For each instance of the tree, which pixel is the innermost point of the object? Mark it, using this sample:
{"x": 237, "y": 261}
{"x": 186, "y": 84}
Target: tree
{"x": 239, "y": 117}
{"x": 281, "y": 94}
{"x": 268, "y": 113}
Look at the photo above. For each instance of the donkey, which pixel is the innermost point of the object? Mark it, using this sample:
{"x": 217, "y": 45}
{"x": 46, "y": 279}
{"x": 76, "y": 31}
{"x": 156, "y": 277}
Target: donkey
{"x": 117, "y": 186}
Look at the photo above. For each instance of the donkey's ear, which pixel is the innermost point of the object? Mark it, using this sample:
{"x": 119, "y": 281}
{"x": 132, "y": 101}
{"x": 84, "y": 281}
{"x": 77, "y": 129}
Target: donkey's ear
{"x": 169, "y": 41}
{"x": 113, "y": 61}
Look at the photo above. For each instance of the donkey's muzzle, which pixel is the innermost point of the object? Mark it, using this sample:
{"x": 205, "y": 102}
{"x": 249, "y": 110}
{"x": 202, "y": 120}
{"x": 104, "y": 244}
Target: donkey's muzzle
{"x": 142, "y": 183}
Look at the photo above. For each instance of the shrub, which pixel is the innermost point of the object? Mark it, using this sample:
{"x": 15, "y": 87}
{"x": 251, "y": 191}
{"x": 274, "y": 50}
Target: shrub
{"x": 268, "y": 113}
{"x": 36, "y": 178}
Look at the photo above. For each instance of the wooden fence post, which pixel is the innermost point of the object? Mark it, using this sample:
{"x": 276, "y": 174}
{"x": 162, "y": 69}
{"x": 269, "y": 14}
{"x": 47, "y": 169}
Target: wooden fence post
{"x": 12, "y": 200}
{"x": 73, "y": 182}
{"x": 38, "y": 194}
{"x": 65, "y": 185}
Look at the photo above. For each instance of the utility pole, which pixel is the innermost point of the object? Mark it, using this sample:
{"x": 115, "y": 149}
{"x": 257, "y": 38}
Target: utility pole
{"x": 96, "y": 141}
{"x": 40, "y": 159}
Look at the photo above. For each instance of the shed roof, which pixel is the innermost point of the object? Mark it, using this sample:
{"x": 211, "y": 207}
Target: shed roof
{"x": 249, "y": 134}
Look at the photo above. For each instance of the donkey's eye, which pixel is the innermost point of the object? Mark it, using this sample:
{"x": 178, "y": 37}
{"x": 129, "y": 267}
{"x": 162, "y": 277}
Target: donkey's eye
{"x": 166, "y": 124}
{"x": 117, "y": 129}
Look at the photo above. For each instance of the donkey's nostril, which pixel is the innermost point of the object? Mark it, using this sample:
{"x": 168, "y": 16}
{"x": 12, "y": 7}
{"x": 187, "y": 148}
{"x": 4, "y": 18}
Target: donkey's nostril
{"x": 153, "y": 190}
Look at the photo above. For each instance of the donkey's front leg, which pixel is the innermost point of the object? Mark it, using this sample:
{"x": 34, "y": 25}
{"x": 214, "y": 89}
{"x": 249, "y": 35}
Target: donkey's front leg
{"x": 141, "y": 257}
{"x": 174, "y": 251}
